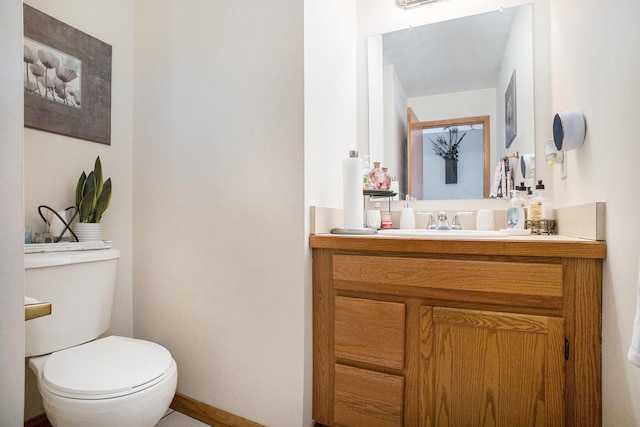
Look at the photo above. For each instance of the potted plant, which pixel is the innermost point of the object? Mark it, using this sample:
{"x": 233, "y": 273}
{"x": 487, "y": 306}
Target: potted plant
{"x": 448, "y": 150}
{"x": 92, "y": 200}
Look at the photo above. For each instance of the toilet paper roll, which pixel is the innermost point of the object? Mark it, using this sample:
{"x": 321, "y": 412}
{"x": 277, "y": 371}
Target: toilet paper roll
{"x": 353, "y": 210}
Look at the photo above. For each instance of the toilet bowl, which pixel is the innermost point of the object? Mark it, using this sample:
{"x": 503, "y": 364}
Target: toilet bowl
{"x": 113, "y": 381}
{"x": 84, "y": 381}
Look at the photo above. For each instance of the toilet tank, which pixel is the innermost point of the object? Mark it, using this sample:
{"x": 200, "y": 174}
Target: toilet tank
{"x": 80, "y": 287}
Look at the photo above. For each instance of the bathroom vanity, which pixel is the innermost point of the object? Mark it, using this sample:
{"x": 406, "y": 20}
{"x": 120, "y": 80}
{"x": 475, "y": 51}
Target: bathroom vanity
{"x": 444, "y": 332}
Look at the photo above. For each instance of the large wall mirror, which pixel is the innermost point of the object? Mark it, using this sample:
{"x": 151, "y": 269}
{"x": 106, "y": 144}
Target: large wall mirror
{"x": 474, "y": 66}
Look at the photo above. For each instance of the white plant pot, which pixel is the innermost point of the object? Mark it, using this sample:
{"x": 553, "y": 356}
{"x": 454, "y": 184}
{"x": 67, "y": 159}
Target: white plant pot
{"x": 88, "y": 231}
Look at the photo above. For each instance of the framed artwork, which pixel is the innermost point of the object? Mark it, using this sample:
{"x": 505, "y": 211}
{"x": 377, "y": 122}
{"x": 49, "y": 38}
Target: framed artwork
{"x": 67, "y": 79}
{"x": 510, "y": 113}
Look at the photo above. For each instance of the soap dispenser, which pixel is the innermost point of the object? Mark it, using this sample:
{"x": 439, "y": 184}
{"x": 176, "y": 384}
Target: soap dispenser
{"x": 407, "y": 217}
{"x": 515, "y": 212}
{"x": 540, "y": 207}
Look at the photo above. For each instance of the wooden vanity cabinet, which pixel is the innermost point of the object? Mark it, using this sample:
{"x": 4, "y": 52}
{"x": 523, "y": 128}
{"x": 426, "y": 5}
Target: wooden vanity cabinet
{"x": 410, "y": 332}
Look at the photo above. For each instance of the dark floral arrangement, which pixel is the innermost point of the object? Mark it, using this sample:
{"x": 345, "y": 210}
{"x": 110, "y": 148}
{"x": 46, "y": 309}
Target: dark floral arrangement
{"x": 448, "y": 149}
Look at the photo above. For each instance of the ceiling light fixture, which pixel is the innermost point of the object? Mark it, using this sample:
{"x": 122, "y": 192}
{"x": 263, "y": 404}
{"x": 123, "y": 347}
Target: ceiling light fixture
{"x": 410, "y": 4}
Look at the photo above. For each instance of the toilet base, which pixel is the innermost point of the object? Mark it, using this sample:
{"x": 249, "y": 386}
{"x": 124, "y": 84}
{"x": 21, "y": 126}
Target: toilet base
{"x": 140, "y": 409}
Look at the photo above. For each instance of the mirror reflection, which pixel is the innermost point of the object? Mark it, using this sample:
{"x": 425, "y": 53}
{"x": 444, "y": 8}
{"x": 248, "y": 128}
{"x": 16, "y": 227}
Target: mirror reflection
{"x": 448, "y": 159}
{"x": 446, "y": 72}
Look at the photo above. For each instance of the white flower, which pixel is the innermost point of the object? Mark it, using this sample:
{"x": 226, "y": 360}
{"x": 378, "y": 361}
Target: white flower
{"x": 66, "y": 74}
{"x": 29, "y": 55}
{"x": 48, "y": 59}
{"x": 37, "y": 70}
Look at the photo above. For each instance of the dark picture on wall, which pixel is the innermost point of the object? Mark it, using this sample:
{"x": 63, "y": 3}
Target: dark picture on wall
{"x": 510, "y": 113}
{"x": 67, "y": 79}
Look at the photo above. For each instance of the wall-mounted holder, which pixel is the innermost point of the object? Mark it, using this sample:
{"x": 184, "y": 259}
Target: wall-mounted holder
{"x": 528, "y": 166}
{"x": 569, "y": 130}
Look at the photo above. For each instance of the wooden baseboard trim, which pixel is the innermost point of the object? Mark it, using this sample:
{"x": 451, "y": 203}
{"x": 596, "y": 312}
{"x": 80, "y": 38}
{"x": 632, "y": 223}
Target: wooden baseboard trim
{"x": 208, "y": 414}
{"x": 39, "y": 421}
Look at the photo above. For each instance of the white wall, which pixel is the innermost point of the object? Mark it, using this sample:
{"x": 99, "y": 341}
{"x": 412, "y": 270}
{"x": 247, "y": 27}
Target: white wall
{"x": 395, "y": 127}
{"x": 521, "y": 60}
{"x": 53, "y": 163}
{"x": 329, "y": 128}
{"x": 597, "y": 72}
{"x": 218, "y": 209}
{"x": 330, "y": 97}
{"x": 11, "y": 216}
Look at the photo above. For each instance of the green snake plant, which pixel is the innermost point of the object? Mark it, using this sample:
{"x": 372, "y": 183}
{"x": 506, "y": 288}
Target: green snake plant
{"x": 92, "y": 194}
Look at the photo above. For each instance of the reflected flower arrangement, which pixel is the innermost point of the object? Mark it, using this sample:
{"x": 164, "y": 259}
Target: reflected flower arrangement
{"x": 52, "y": 74}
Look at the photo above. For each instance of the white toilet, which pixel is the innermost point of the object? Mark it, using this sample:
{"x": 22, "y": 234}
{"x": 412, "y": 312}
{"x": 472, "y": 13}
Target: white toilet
{"x": 84, "y": 381}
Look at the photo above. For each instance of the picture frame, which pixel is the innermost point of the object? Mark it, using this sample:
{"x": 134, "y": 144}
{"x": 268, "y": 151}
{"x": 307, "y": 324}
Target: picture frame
{"x": 510, "y": 111}
{"x": 69, "y": 93}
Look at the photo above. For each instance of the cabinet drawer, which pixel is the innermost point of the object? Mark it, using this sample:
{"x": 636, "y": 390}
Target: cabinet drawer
{"x": 512, "y": 283}
{"x": 367, "y": 398}
{"x": 370, "y": 331}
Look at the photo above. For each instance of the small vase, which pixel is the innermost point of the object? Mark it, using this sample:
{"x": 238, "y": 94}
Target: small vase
{"x": 450, "y": 171}
{"x": 88, "y": 231}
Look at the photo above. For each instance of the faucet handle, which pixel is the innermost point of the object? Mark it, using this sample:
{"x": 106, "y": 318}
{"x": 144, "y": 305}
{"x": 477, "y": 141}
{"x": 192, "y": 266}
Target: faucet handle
{"x": 455, "y": 225}
{"x": 432, "y": 224}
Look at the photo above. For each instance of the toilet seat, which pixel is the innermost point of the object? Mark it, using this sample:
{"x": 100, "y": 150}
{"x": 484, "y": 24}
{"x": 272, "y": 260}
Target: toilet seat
{"x": 106, "y": 368}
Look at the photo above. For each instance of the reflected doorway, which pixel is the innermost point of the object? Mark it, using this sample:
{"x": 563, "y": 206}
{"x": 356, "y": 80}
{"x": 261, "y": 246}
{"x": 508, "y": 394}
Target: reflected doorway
{"x": 426, "y": 169}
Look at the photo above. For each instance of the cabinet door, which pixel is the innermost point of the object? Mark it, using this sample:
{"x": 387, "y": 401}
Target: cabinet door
{"x": 370, "y": 331}
{"x": 367, "y": 398}
{"x": 480, "y": 368}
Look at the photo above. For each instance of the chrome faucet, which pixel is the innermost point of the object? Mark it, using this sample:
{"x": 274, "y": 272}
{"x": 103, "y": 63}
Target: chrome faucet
{"x": 443, "y": 222}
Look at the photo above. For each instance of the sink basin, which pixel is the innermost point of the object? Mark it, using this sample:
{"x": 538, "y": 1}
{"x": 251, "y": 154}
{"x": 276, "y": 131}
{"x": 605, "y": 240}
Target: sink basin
{"x": 446, "y": 234}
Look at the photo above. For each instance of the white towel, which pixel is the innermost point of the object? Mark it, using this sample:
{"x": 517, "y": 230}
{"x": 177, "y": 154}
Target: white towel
{"x": 634, "y": 351}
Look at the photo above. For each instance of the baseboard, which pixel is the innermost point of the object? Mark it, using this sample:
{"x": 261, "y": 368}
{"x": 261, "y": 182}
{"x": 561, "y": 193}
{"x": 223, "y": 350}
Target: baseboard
{"x": 208, "y": 414}
{"x": 39, "y": 421}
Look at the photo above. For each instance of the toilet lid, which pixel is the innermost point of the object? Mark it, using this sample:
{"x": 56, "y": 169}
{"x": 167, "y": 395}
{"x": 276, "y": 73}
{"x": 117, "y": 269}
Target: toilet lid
{"x": 112, "y": 365}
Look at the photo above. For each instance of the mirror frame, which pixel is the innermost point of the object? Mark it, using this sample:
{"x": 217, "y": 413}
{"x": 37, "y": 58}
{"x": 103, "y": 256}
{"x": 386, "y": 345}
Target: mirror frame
{"x": 486, "y": 143}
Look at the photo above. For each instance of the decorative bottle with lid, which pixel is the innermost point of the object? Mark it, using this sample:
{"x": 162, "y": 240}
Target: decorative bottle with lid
{"x": 540, "y": 207}
{"x": 385, "y": 182}
{"x": 379, "y": 178}
{"x": 374, "y": 175}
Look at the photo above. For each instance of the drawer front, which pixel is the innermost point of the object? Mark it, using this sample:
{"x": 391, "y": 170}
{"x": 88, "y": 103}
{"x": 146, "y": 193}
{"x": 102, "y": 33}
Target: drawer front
{"x": 512, "y": 283}
{"x": 367, "y": 398}
{"x": 369, "y": 331}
